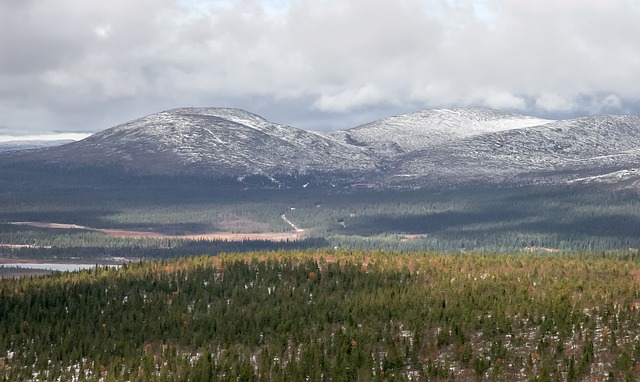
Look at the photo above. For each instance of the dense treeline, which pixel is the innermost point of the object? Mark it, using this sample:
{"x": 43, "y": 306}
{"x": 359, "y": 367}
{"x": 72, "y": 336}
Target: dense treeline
{"x": 292, "y": 316}
{"x": 158, "y": 249}
{"x": 481, "y": 219}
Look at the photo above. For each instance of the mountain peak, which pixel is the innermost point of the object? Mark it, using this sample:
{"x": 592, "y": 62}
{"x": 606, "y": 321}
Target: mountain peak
{"x": 214, "y": 141}
{"x": 231, "y": 114}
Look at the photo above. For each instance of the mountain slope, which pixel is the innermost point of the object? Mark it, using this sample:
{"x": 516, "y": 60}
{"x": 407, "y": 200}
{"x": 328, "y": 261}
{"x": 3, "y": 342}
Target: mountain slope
{"x": 213, "y": 141}
{"x": 432, "y": 128}
{"x": 554, "y": 152}
{"x": 430, "y": 147}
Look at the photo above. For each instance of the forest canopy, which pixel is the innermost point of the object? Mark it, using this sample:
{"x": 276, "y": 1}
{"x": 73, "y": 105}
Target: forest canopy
{"x": 319, "y": 315}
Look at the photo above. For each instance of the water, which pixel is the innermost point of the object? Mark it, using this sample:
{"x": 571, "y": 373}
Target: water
{"x": 54, "y": 266}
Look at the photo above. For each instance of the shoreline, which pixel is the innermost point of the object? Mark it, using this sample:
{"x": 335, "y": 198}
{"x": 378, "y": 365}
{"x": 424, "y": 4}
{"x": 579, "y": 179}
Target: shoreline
{"x": 95, "y": 261}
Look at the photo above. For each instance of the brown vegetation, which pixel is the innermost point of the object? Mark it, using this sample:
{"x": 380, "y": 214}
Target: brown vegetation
{"x": 154, "y": 234}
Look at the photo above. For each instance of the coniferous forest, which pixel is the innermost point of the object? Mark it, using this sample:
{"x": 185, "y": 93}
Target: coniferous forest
{"x": 380, "y": 284}
{"x": 328, "y": 316}
{"x": 484, "y": 219}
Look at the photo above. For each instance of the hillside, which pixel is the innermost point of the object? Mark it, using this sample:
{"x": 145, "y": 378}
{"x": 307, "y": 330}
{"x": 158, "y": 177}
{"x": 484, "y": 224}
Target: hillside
{"x": 432, "y": 128}
{"x": 212, "y": 141}
{"x": 328, "y": 316}
{"x": 426, "y": 148}
{"x": 487, "y": 181}
{"x": 556, "y": 152}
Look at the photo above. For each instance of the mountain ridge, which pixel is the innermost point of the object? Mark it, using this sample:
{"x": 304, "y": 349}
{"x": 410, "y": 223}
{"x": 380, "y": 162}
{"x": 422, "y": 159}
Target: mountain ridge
{"x": 569, "y": 147}
{"x": 17, "y": 145}
{"x": 426, "y": 128}
{"x": 212, "y": 141}
{"x": 435, "y": 146}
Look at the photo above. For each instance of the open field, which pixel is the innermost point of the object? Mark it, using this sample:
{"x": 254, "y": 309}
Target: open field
{"x": 152, "y": 234}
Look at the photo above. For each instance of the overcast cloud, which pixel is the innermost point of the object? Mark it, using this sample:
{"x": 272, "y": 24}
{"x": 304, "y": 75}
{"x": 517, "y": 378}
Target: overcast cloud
{"x": 83, "y": 66}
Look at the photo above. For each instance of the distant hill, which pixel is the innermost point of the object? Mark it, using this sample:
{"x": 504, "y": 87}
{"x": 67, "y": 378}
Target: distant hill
{"x": 31, "y": 144}
{"x": 440, "y": 146}
{"x": 212, "y": 141}
{"x": 573, "y": 150}
{"x": 432, "y": 128}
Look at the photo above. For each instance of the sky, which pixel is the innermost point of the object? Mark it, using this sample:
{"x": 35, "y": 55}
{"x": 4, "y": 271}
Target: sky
{"x": 79, "y": 67}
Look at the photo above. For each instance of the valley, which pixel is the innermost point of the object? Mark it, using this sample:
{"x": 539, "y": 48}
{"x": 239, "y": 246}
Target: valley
{"x": 141, "y": 217}
{"x": 449, "y": 179}
{"x": 210, "y": 244}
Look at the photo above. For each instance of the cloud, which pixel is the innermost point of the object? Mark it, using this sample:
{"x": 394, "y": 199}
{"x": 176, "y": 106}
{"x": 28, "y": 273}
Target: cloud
{"x": 349, "y": 99}
{"x": 43, "y": 137}
{"x": 501, "y": 100}
{"x": 552, "y": 102}
{"x": 103, "y": 31}
{"x": 75, "y": 65}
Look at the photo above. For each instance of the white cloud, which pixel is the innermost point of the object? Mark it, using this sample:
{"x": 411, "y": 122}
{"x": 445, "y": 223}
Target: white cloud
{"x": 102, "y": 31}
{"x": 349, "y": 99}
{"x": 78, "y": 65}
{"x": 553, "y": 102}
{"x": 611, "y": 102}
{"x": 501, "y": 100}
{"x": 43, "y": 137}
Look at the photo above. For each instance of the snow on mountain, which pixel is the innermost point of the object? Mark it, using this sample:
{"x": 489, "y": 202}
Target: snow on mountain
{"x": 431, "y": 128}
{"x": 31, "y": 144}
{"x": 214, "y": 141}
{"x": 556, "y": 151}
{"x": 441, "y": 146}
{"x": 615, "y": 177}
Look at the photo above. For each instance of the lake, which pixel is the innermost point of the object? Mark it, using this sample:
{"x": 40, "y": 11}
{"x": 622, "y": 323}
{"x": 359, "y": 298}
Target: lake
{"x": 61, "y": 267}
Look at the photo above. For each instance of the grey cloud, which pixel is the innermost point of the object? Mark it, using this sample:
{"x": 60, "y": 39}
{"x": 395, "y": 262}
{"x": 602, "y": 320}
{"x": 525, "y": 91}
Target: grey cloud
{"x": 74, "y": 65}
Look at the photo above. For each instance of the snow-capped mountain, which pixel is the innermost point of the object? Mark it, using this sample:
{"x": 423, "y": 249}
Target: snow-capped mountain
{"x": 553, "y": 152}
{"x": 441, "y": 146}
{"x": 432, "y": 128}
{"x": 213, "y": 141}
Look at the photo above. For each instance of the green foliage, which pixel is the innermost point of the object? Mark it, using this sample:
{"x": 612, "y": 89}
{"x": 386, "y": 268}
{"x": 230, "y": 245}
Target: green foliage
{"x": 327, "y": 315}
{"x": 494, "y": 219}
{"x": 491, "y": 219}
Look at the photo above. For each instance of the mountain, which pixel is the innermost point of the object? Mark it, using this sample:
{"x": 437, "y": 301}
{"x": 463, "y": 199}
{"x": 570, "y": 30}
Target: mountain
{"x": 31, "y": 144}
{"x": 553, "y": 152}
{"x": 213, "y": 141}
{"x": 425, "y": 148}
{"x": 431, "y": 128}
